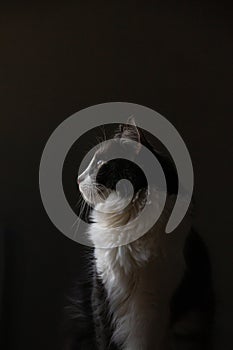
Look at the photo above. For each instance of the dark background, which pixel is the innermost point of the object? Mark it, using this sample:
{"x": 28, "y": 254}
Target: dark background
{"x": 57, "y": 58}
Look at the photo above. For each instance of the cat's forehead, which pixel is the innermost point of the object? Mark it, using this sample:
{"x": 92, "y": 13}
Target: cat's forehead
{"x": 112, "y": 147}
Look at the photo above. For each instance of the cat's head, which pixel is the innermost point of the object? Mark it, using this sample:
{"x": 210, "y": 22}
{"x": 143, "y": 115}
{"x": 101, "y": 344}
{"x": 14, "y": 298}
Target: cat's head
{"x": 102, "y": 175}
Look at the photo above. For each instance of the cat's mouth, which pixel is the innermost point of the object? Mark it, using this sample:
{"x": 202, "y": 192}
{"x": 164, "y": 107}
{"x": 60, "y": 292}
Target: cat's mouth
{"x": 87, "y": 193}
{"x": 93, "y": 194}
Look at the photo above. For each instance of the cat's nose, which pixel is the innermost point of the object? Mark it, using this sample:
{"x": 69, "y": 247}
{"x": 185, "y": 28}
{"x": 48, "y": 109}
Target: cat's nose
{"x": 79, "y": 179}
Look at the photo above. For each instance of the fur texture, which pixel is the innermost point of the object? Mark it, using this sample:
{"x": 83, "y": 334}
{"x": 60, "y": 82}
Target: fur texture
{"x": 139, "y": 277}
{"x": 148, "y": 291}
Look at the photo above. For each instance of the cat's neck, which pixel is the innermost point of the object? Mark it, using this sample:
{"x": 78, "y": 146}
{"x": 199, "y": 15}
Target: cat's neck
{"x": 115, "y": 223}
{"x": 110, "y": 230}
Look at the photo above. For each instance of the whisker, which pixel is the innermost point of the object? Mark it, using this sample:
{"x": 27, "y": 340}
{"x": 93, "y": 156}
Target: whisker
{"x": 80, "y": 199}
{"x": 79, "y": 218}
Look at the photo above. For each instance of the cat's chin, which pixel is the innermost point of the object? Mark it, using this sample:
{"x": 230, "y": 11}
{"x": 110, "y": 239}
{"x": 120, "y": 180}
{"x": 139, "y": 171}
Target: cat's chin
{"x": 91, "y": 202}
{"x": 92, "y": 198}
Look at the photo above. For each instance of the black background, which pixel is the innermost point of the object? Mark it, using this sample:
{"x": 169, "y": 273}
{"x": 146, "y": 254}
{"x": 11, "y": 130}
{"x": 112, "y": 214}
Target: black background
{"x": 57, "y": 58}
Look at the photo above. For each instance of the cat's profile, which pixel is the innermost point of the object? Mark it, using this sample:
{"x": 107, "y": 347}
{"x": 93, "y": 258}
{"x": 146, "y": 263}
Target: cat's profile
{"x": 153, "y": 292}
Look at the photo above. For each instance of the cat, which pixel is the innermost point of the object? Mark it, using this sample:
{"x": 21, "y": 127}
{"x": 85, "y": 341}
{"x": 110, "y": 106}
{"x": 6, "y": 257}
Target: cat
{"x": 153, "y": 292}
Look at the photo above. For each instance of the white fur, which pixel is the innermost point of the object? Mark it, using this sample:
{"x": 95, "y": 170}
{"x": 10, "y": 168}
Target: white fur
{"x": 140, "y": 276}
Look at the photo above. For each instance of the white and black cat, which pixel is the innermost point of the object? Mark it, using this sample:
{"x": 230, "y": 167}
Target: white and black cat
{"x": 154, "y": 292}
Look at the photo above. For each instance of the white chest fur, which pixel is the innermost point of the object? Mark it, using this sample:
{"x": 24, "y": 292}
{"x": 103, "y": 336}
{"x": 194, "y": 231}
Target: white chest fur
{"x": 139, "y": 278}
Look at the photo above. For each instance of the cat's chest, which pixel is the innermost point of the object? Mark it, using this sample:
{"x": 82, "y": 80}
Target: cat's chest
{"x": 142, "y": 287}
{"x": 136, "y": 300}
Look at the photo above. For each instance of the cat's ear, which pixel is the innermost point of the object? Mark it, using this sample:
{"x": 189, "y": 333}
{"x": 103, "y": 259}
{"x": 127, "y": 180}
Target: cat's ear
{"x": 131, "y": 132}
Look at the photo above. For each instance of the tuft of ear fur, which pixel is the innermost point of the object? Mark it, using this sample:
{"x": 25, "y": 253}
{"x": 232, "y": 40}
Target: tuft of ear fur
{"x": 130, "y": 132}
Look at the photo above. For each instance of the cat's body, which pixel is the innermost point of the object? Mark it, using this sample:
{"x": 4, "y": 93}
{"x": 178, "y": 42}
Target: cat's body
{"x": 151, "y": 293}
{"x": 140, "y": 278}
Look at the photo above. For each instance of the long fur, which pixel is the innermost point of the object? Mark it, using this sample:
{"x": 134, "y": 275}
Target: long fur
{"x": 148, "y": 291}
{"x": 139, "y": 277}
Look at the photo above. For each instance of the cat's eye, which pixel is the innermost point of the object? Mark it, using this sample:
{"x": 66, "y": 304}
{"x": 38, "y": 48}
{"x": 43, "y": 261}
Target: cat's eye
{"x": 100, "y": 162}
